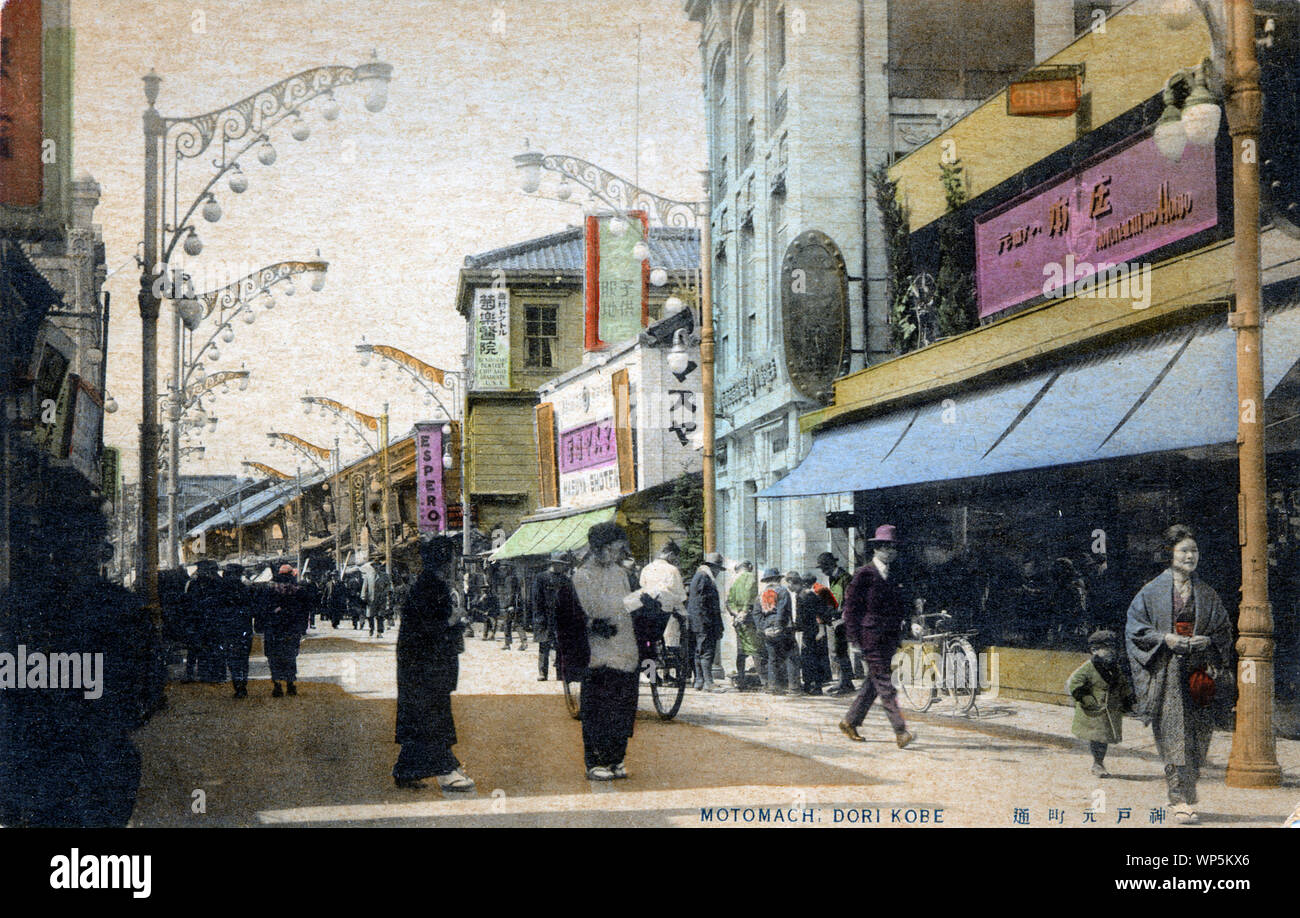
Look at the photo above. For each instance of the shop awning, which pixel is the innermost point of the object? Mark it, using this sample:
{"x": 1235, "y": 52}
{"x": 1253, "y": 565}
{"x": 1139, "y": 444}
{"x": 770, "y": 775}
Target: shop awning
{"x": 1174, "y": 391}
{"x": 541, "y": 537}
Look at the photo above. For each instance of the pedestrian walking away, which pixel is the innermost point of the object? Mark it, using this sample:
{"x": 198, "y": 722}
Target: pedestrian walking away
{"x": 811, "y": 619}
{"x": 662, "y": 579}
{"x": 874, "y": 611}
{"x": 609, "y": 685}
{"x": 1179, "y": 643}
{"x": 544, "y": 600}
{"x": 429, "y": 643}
{"x": 704, "y": 613}
{"x": 283, "y": 621}
{"x": 236, "y": 626}
{"x": 376, "y": 589}
{"x": 775, "y": 621}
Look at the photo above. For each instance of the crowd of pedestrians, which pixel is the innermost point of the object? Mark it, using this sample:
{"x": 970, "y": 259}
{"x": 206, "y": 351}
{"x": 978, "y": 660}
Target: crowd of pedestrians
{"x": 593, "y": 619}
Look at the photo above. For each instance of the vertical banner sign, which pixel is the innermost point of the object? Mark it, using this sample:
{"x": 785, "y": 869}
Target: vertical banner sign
{"x": 357, "y": 487}
{"x": 491, "y": 338}
{"x": 429, "y": 497}
{"x": 110, "y": 475}
{"x": 83, "y": 430}
{"x": 20, "y": 103}
{"x": 616, "y": 282}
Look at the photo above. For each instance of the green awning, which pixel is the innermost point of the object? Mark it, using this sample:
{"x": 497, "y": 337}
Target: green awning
{"x": 542, "y": 537}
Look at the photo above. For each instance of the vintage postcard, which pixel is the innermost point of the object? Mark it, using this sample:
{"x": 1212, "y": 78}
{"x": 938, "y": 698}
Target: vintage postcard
{"x": 659, "y": 413}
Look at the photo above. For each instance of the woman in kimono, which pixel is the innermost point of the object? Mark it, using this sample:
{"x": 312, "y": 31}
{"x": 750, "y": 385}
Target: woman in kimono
{"x": 1179, "y": 644}
{"x": 429, "y": 644}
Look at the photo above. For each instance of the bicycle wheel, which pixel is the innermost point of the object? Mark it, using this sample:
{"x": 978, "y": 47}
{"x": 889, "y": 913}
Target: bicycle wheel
{"x": 669, "y": 686}
{"x": 915, "y": 674}
{"x": 960, "y": 682}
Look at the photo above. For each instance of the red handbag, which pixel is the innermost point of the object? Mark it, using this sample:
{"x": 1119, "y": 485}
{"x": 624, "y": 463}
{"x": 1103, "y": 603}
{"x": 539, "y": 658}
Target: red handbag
{"x": 1201, "y": 686}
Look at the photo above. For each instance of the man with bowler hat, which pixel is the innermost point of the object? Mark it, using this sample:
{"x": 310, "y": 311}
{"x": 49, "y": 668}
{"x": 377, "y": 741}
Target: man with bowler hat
{"x": 874, "y": 611}
{"x": 837, "y": 579}
{"x": 704, "y": 612}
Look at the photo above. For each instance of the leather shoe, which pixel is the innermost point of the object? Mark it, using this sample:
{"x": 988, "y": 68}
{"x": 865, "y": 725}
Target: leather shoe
{"x": 851, "y": 732}
{"x": 904, "y": 738}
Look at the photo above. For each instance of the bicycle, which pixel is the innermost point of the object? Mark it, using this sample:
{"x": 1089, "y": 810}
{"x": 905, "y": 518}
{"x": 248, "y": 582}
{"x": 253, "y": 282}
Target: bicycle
{"x": 662, "y": 664}
{"x": 922, "y": 675}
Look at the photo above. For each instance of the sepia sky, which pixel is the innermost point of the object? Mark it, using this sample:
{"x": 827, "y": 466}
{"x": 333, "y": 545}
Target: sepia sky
{"x": 393, "y": 200}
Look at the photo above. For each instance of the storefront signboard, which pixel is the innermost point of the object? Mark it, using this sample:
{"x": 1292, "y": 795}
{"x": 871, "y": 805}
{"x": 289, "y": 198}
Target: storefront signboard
{"x": 83, "y": 435}
{"x": 491, "y": 338}
{"x": 1081, "y": 234}
{"x": 430, "y": 499}
{"x": 588, "y": 460}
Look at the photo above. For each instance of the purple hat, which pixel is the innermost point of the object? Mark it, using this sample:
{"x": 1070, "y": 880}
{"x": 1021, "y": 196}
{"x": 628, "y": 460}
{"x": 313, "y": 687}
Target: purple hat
{"x": 885, "y": 533}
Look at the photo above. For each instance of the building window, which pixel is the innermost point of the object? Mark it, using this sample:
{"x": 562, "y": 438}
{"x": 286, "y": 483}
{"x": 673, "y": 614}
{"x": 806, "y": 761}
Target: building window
{"x": 539, "y": 336}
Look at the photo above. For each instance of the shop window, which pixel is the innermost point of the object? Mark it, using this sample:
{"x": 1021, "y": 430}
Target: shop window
{"x": 540, "y": 336}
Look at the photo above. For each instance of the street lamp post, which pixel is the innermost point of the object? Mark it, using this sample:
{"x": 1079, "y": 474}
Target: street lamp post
{"x": 1253, "y": 760}
{"x": 428, "y": 377}
{"x": 167, "y": 141}
{"x": 623, "y": 196}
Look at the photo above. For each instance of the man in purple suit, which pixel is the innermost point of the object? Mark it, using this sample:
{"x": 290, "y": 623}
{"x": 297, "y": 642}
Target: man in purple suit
{"x": 874, "y": 611}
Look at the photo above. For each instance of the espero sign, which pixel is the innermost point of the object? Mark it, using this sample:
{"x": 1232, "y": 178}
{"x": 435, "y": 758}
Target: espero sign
{"x": 1075, "y": 234}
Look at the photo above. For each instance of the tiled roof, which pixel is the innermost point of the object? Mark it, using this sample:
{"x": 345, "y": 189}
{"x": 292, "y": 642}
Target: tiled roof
{"x": 674, "y": 248}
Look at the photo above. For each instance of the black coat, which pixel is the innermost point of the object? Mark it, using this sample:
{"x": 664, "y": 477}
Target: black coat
{"x": 704, "y": 605}
{"x": 544, "y": 600}
{"x": 427, "y": 661}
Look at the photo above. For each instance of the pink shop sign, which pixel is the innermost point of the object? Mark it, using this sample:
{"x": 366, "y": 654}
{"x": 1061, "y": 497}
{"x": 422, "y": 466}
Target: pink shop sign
{"x": 588, "y": 446}
{"x": 1126, "y": 205}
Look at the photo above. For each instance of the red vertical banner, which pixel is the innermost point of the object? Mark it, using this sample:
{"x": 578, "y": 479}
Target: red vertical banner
{"x": 429, "y": 496}
{"x": 20, "y": 103}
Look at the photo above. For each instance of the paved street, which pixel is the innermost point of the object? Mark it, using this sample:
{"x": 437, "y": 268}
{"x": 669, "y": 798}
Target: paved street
{"x": 324, "y": 758}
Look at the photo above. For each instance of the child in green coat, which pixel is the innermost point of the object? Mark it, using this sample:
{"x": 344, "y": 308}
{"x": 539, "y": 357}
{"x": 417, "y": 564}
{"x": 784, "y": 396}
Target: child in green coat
{"x": 1102, "y": 693}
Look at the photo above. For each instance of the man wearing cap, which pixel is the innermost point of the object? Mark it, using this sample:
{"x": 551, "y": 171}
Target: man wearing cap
{"x": 543, "y": 600}
{"x": 774, "y": 618}
{"x": 609, "y": 686}
{"x": 704, "y": 613}
{"x": 662, "y": 579}
{"x": 874, "y": 611}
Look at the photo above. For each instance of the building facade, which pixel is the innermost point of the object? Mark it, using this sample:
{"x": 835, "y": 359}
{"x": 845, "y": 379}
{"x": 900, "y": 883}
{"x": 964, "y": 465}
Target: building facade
{"x": 525, "y": 304}
{"x": 802, "y": 103}
{"x": 1034, "y": 461}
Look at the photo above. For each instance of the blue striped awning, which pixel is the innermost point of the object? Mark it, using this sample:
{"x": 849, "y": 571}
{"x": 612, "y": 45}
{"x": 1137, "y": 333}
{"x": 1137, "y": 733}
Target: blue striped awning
{"x": 1173, "y": 391}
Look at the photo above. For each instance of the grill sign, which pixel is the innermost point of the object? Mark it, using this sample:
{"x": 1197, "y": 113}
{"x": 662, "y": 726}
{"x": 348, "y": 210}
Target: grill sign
{"x": 1044, "y": 98}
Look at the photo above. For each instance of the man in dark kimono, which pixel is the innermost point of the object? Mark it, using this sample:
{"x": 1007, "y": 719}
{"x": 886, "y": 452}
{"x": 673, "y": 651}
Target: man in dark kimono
{"x": 544, "y": 598}
{"x": 874, "y": 610}
{"x": 704, "y": 613}
{"x": 236, "y": 625}
{"x": 283, "y": 623}
{"x": 429, "y": 643}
